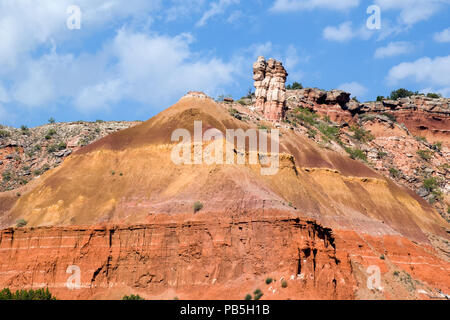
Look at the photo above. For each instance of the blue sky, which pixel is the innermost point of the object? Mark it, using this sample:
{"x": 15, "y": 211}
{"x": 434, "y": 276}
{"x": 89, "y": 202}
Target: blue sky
{"x": 131, "y": 59}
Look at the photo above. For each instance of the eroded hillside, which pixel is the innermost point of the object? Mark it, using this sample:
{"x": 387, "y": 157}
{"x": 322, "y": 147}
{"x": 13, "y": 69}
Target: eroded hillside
{"x": 128, "y": 179}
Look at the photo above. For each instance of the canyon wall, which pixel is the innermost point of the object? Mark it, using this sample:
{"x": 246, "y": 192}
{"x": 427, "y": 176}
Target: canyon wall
{"x": 192, "y": 259}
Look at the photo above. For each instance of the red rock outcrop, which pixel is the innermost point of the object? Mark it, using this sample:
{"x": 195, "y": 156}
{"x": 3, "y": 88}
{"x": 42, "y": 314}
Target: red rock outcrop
{"x": 195, "y": 259}
{"x": 270, "y": 83}
{"x": 330, "y": 103}
{"x": 423, "y": 116}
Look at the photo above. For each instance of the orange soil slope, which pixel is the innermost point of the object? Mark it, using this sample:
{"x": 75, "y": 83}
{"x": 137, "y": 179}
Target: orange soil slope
{"x": 128, "y": 178}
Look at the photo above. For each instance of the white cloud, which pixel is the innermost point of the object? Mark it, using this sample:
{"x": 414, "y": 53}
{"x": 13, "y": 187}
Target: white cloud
{"x": 133, "y": 66}
{"x": 429, "y": 71}
{"x": 355, "y": 88}
{"x": 298, "y": 5}
{"x": 394, "y": 49}
{"x": 443, "y": 36}
{"x": 183, "y": 8}
{"x": 154, "y": 68}
{"x": 235, "y": 16}
{"x": 341, "y": 33}
{"x": 36, "y": 89}
{"x": 215, "y": 8}
{"x": 27, "y": 24}
{"x": 413, "y": 11}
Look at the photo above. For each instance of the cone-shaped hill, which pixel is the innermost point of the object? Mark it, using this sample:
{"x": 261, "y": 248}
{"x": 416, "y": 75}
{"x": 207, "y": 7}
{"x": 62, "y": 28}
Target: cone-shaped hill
{"x": 128, "y": 177}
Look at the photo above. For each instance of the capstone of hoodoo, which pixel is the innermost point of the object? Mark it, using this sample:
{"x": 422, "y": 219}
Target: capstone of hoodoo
{"x": 270, "y": 83}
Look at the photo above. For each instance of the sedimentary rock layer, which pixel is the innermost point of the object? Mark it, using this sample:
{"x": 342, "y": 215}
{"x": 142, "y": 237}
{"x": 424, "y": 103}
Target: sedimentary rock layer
{"x": 190, "y": 259}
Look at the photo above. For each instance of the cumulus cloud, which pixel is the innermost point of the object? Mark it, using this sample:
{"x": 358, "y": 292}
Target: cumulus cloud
{"x": 443, "y": 36}
{"x": 345, "y": 32}
{"x": 341, "y": 33}
{"x": 27, "y": 24}
{"x": 355, "y": 88}
{"x": 434, "y": 72}
{"x": 394, "y": 49}
{"x": 298, "y": 5}
{"x": 131, "y": 65}
{"x": 413, "y": 11}
{"x": 215, "y": 8}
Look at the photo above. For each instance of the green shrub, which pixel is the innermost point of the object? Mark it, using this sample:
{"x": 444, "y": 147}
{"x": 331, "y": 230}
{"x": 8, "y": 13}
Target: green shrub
{"x": 434, "y": 95}
{"x": 390, "y": 116}
{"x": 262, "y": 127}
{"x": 21, "y": 223}
{"x": 361, "y": 135}
{"x": 382, "y": 257}
{"x": 356, "y": 154}
{"x": 312, "y": 133}
{"x": 132, "y": 297}
{"x": 401, "y": 93}
{"x": 234, "y": 113}
{"x": 257, "y": 294}
{"x": 198, "y": 206}
{"x": 394, "y": 173}
{"x": 269, "y": 280}
{"x": 56, "y": 147}
{"x": 431, "y": 184}
{"x": 24, "y": 128}
{"x": 294, "y": 86}
{"x": 380, "y": 98}
{"x": 284, "y": 284}
{"x": 424, "y": 154}
{"x": 40, "y": 294}
{"x": 421, "y": 139}
{"x": 51, "y": 120}
{"x": 436, "y": 195}
{"x": 306, "y": 116}
{"x": 330, "y": 132}
{"x": 248, "y": 297}
{"x": 7, "y": 176}
{"x": 4, "y": 134}
{"x": 381, "y": 154}
{"x": 437, "y": 146}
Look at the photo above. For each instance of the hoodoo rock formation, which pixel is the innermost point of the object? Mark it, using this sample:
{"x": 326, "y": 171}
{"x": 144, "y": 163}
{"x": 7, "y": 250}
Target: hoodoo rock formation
{"x": 270, "y": 83}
